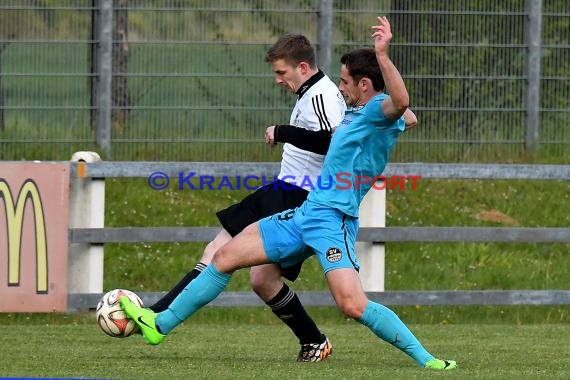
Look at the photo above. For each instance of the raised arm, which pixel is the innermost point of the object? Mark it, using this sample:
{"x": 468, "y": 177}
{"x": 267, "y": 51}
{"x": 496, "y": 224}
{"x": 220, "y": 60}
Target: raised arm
{"x": 396, "y": 104}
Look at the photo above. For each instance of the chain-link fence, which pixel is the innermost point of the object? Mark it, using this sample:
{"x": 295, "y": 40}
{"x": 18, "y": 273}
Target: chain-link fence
{"x": 186, "y": 80}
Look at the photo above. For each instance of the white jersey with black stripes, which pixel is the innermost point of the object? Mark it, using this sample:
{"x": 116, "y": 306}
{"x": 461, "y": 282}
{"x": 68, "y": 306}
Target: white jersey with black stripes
{"x": 320, "y": 106}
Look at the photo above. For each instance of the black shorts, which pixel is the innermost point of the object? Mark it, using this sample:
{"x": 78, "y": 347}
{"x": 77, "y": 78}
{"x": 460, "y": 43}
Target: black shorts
{"x": 268, "y": 200}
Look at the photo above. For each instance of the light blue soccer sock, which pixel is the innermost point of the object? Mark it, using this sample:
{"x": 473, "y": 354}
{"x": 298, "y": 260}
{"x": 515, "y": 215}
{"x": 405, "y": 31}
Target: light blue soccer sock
{"x": 201, "y": 291}
{"x": 390, "y": 328}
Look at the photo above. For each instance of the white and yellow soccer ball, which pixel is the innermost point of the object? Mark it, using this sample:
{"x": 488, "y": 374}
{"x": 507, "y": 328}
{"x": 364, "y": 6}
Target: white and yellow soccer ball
{"x": 110, "y": 316}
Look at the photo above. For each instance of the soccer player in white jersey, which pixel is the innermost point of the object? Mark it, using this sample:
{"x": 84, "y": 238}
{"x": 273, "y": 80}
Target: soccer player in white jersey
{"x": 326, "y": 224}
{"x": 319, "y": 108}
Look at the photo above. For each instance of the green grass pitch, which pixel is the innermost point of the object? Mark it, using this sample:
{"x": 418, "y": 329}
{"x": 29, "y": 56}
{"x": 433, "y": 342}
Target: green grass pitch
{"x": 250, "y": 343}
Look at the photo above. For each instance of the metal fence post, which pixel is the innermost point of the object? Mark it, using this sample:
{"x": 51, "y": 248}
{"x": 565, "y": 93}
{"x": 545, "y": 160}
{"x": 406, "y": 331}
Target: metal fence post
{"x": 324, "y": 35}
{"x": 372, "y": 213}
{"x": 532, "y": 98}
{"x": 105, "y": 75}
{"x": 87, "y": 210}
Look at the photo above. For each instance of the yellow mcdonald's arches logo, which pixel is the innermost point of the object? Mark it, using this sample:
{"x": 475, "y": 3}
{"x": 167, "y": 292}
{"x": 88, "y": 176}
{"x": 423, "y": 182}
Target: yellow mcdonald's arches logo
{"x": 15, "y": 223}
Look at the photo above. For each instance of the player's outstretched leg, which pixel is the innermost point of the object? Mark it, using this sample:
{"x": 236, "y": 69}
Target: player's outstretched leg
{"x": 163, "y": 303}
{"x": 144, "y": 318}
{"x": 388, "y": 327}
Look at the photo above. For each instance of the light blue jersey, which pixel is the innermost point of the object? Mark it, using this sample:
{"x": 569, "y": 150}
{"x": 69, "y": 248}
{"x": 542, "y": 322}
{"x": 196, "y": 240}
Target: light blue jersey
{"x": 327, "y": 223}
{"x": 359, "y": 151}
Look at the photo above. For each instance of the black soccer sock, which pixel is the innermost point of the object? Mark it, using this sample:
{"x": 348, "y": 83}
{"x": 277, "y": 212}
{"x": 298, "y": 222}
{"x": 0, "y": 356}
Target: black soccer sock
{"x": 287, "y": 307}
{"x": 163, "y": 303}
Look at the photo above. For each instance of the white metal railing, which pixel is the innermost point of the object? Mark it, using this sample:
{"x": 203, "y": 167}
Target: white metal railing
{"x": 87, "y": 233}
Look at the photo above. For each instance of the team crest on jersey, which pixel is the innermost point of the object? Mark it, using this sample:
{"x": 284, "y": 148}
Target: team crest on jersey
{"x": 334, "y": 255}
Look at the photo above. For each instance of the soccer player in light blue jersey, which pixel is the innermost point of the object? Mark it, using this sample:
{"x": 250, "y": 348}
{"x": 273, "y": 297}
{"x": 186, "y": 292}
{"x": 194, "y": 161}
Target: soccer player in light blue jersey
{"x": 326, "y": 224}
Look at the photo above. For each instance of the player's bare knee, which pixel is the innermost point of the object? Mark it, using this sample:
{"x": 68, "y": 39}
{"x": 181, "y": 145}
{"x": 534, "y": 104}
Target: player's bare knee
{"x": 256, "y": 280}
{"x": 222, "y": 260}
{"x": 350, "y": 311}
{"x": 350, "y": 308}
{"x": 209, "y": 252}
{"x": 265, "y": 281}
{"x": 219, "y": 241}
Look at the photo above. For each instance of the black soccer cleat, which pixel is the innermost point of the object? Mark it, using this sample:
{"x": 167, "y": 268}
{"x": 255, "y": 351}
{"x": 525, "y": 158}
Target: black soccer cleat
{"x": 315, "y": 352}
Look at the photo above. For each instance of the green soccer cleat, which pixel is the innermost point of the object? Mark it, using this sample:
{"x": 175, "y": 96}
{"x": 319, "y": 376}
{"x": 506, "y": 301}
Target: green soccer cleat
{"x": 441, "y": 365}
{"x": 144, "y": 318}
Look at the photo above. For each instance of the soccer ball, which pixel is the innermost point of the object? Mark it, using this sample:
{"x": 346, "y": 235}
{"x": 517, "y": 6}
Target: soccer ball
{"x": 110, "y": 316}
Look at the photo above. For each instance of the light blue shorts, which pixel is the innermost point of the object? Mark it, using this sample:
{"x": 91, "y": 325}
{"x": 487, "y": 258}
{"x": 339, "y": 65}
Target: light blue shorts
{"x": 311, "y": 229}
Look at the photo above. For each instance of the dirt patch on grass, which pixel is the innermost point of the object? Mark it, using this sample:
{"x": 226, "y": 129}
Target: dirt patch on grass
{"x": 497, "y": 217}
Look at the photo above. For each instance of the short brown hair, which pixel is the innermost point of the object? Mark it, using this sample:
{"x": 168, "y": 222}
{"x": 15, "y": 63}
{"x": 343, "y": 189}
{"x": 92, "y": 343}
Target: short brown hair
{"x": 362, "y": 63}
{"x": 294, "y": 49}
